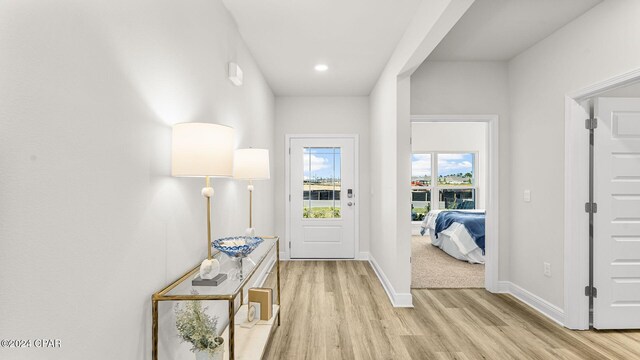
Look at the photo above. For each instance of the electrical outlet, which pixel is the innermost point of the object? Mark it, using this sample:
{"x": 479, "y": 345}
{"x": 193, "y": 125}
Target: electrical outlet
{"x": 547, "y": 269}
{"x": 527, "y": 196}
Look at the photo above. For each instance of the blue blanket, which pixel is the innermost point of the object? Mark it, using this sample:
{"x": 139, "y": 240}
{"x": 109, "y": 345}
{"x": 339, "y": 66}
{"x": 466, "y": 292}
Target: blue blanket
{"x": 474, "y": 222}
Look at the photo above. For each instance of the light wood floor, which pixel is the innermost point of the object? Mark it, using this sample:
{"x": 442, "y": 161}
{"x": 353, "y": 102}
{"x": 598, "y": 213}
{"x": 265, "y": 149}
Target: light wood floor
{"x": 338, "y": 310}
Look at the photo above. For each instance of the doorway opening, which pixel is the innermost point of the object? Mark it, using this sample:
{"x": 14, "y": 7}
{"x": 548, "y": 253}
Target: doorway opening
{"x": 454, "y": 201}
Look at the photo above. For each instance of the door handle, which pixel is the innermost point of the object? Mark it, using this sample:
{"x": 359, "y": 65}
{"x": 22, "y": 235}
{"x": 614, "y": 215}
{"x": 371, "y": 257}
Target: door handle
{"x": 350, "y": 203}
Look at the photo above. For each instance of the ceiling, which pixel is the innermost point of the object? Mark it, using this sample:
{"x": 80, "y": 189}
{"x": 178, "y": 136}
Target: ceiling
{"x": 501, "y": 29}
{"x": 355, "y": 38}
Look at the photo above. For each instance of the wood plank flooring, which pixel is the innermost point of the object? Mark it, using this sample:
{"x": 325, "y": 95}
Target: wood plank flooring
{"x": 339, "y": 310}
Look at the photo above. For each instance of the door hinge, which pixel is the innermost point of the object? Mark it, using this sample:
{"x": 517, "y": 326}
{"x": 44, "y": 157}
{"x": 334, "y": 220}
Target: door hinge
{"x": 289, "y": 245}
{"x": 289, "y": 197}
{"x": 591, "y": 124}
{"x": 289, "y": 151}
{"x": 590, "y": 291}
{"x": 591, "y": 207}
{"x": 410, "y": 141}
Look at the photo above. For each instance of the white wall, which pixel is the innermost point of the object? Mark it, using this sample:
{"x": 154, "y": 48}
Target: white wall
{"x": 470, "y": 88}
{"x": 390, "y": 246}
{"x": 455, "y": 137}
{"x": 460, "y": 88}
{"x": 91, "y": 222}
{"x": 323, "y": 115}
{"x": 596, "y": 46}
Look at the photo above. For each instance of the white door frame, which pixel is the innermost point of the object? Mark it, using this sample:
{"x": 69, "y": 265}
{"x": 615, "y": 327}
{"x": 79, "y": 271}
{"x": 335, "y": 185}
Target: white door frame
{"x": 286, "y": 255}
{"x": 492, "y": 202}
{"x": 576, "y": 191}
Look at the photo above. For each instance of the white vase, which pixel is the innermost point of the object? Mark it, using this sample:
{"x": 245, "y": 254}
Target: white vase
{"x": 205, "y": 355}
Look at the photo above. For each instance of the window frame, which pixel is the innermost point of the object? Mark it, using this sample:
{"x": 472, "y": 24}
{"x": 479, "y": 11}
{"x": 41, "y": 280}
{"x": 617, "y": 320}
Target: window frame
{"x": 332, "y": 218}
{"x": 435, "y": 188}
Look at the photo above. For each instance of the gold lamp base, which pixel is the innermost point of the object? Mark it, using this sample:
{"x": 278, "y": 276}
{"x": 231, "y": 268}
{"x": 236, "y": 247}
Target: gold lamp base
{"x": 250, "y": 231}
{"x": 207, "y": 192}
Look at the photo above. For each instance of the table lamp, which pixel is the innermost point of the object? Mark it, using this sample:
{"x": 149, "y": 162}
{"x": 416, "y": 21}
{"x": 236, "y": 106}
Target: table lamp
{"x": 251, "y": 164}
{"x": 203, "y": 150}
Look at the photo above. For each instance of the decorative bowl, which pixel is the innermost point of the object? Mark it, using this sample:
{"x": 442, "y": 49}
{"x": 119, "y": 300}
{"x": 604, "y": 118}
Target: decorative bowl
{"x": 237, "y": 246}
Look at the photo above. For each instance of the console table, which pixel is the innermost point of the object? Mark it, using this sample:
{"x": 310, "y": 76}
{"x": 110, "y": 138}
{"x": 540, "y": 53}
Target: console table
{"x": 240, "y": 343}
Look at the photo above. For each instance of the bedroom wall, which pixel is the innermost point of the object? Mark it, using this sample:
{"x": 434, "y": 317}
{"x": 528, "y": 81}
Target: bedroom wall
{"x": 598, "y": 45}
{"x": 91, "y": 222}
{"x": 455, "y": 137}
{"x": 323, "y": 115}
{"x": 470, "y": 88}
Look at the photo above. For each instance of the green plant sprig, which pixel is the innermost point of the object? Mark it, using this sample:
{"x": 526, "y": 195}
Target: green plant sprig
{"x": 196, "y": 327}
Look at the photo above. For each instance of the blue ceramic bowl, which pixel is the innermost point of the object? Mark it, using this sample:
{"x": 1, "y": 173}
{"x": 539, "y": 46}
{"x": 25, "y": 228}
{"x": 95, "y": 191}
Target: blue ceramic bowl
{"x": 226, "y": 247}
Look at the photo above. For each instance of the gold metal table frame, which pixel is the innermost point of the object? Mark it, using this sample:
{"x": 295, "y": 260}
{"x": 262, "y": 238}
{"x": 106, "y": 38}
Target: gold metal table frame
{"x": 230, "y": 298}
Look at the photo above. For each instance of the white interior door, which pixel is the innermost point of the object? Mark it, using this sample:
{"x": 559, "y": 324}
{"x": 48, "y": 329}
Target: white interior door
{"x": 323, "y": 198}
{"x": 617, "y": 220}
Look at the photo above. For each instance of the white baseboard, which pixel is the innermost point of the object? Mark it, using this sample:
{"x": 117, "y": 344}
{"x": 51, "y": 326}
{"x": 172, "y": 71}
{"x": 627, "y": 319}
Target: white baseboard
{"x": 364, "y": 255}
{"x": 397, "y": 299}
{"x": 504, "y": 287}
{"x": 534, "y": 301}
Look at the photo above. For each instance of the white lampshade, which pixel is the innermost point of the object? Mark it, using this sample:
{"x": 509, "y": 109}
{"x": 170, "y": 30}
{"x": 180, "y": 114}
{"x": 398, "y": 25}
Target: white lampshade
{"x": 200, "y": 149}
{"x": 251, "y": 164}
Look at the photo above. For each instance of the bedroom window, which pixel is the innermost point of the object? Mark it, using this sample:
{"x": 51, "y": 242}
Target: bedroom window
{"x": 457, "y": 199}
{"x": 421, "y": 182}
{"x": 455, "y": 170}
{"x": 449, "y": 178}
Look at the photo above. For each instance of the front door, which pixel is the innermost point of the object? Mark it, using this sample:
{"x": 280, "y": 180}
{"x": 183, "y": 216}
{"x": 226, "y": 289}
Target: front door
{"x": 616, "y": 226}
{"x": 322, "y": 197}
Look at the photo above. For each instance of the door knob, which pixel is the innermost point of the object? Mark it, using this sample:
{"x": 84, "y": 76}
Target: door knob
{"x": 350, "y": 203}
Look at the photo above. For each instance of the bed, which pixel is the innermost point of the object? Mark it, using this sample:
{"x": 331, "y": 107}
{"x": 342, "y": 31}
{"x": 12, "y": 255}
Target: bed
{"x": 459, "y": 233}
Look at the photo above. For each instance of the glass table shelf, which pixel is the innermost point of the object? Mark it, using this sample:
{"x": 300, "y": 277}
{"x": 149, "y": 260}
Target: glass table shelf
{"x": 232, "y": 287}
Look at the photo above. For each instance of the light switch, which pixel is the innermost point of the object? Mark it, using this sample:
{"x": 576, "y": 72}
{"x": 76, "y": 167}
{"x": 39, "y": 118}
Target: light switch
{"x": 547, "y": 269}
{"x": 527, "y": 196}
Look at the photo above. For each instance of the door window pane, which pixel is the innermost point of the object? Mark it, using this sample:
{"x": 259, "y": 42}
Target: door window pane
{"x": 420, "y": 203}
{"x": 460, "y": 199}
{"x": 455, "y": 170}
{"x": 322, "y": 183}
{"x": 420, "y": 170}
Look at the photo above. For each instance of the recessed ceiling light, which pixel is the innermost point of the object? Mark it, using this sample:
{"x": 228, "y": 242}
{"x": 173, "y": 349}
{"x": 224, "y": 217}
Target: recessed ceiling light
{"x": 321, "y": 67}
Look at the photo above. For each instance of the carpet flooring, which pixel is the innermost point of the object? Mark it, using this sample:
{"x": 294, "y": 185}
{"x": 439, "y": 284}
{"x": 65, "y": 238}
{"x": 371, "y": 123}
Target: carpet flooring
{"x": 432, "y": 268}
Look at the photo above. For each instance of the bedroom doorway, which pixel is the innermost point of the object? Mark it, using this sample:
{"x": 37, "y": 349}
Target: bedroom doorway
{"x": 454, "y": 202}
